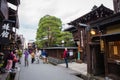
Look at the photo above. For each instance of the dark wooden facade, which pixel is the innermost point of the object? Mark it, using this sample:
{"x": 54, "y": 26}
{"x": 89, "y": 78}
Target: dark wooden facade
{"x": 79, "y": 29}
{"x": 109, "y": 29}
{"x": 78, "y": 32}
{"x": 57, "y": 52}
{"x": 8, "y": 21}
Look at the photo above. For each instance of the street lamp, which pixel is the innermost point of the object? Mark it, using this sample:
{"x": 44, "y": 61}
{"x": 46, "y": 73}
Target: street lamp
{"x": 92, "y": 31}
{"x": 98, "y": 32}
{"x": 62, "y": 42}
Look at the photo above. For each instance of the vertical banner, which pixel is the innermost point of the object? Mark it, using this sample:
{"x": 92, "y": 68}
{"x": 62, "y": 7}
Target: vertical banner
{"x": 5, "y": 31}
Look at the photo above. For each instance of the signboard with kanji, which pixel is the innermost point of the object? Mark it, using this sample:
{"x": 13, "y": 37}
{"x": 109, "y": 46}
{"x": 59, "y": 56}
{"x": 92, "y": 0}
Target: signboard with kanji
{"x": 5, "y": 31}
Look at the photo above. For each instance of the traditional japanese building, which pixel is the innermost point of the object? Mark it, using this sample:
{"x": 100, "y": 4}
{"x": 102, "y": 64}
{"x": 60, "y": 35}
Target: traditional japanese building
{"x": 100, "y": 31}
{"x": 79, "y": 28}
{"x": 105, "y": 45}
{"x": 8, "y": 23}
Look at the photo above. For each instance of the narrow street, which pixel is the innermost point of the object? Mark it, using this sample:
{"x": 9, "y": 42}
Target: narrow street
{"x": 46, "y": 72}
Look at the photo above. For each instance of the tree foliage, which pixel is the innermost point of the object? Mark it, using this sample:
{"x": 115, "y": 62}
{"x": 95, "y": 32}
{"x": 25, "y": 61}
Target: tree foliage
{"x": 49, "y": 32}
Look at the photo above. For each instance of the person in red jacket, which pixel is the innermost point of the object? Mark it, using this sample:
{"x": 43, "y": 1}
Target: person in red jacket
{"x": 65, "y": 57}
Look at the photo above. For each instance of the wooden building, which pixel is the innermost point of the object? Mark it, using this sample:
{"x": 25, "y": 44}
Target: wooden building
{"x": 8, "y": 23}
{"x": 8, "y": 26}
{"x": 104, "y": 46}
{"x": 55, "y": 54}
{"x": 79, "y": 28}
{"x": 101, "y": 40}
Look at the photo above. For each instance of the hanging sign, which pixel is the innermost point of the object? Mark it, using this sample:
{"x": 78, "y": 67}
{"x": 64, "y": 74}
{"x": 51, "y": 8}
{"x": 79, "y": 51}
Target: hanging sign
{"x": 5, "y": 33}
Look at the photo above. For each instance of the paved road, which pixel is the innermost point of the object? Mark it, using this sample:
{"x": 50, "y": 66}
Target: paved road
{"x": 46, "y": 72}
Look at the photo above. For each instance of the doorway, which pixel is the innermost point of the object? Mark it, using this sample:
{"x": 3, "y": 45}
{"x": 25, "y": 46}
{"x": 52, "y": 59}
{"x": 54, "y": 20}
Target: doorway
{"x": 97, "y": 58}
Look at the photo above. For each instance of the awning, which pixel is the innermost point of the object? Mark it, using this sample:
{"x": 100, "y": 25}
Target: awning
{"x": 111, "y": 37}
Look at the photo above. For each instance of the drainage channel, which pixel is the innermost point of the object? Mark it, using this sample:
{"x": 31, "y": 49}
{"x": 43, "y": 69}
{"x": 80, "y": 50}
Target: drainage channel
{"x": 85, "y": 77}
{"x": 81, "y": 76}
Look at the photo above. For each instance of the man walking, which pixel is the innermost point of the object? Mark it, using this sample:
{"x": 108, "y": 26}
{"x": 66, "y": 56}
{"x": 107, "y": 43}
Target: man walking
{"x": 26, "y": 53}
{"x": 65, "y": 53}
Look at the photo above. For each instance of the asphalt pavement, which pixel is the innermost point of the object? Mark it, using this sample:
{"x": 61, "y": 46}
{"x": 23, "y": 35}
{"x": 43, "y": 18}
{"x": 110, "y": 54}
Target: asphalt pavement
{"x": 45, "y": 72}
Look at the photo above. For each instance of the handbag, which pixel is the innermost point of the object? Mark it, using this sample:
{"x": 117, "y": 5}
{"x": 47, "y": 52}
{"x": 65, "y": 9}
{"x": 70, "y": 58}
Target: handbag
{"x": 15, "y": 59}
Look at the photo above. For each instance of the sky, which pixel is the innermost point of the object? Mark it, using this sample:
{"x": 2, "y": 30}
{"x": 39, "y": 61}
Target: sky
{"x": 30, "y": 12}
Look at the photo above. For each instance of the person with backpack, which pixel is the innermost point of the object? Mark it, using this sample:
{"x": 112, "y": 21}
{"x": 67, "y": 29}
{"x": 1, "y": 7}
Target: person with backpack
{"x": 65, "y": 56}
{"x": 44, "y": 55}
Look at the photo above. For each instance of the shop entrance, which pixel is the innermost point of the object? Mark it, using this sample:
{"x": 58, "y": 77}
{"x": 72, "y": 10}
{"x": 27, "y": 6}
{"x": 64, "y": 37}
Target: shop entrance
{"x": 113, "y": 59}
{"x": 97, "y": 57}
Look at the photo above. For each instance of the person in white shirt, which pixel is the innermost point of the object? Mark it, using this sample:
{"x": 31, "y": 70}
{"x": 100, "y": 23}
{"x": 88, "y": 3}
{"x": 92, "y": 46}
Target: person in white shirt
{"x": 38, "y": 53}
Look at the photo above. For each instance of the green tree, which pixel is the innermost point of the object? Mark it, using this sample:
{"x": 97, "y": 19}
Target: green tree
{"x": 49, "y": 32}
{"x": 66, "y": 37}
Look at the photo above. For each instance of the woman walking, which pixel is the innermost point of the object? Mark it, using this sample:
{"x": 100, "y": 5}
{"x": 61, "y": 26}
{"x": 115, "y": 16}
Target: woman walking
{"x": 10, "y": 61}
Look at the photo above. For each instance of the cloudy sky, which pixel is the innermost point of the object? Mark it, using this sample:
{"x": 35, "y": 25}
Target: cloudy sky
{"x": 30, "y": 12}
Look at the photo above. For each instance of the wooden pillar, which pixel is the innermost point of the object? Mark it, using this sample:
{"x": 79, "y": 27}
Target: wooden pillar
{"x": 105, "y": 57}
{"x": 89, "y": 59}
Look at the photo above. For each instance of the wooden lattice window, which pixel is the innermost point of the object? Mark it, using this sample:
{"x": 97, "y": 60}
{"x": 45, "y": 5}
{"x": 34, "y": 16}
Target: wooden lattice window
{"x": 114, "y": 49}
